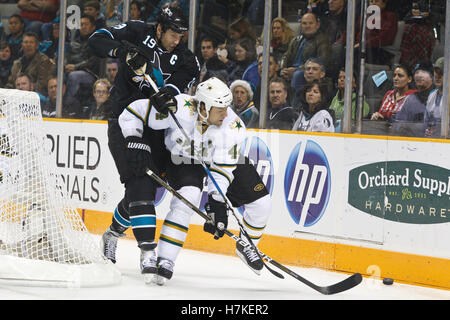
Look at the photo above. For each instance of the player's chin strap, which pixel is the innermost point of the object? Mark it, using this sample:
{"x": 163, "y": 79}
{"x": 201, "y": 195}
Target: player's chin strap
{"x": 229, "y": 207}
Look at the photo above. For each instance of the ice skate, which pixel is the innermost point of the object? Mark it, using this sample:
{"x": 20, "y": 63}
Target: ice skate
{"x": 109, "y": 243}
{"x": 165, "y": 271}
{"x": 148, "y": 264}
{"x": 250, "y": 257}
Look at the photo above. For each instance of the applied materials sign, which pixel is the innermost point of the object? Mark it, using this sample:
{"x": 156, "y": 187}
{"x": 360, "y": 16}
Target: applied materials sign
{"x": 401, "y": 191}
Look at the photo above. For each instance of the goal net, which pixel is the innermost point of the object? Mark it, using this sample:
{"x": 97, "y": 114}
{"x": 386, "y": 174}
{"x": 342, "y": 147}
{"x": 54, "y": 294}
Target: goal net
{"x": 43, "y": 240}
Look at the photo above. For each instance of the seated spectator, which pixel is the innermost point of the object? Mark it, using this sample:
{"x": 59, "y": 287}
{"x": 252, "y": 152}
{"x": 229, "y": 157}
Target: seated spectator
{"x": 14, "y": 38}
{"x": 210, "y": 62}
{"x": 413, "y": 109}
{"x": 36, "y": 13}
{"x": 245, "y": 54}
{"x": 50, "y": 47}
{"x": 24, "y": 82}
{"x": 6, "y": 61}
{"x": 70, "y": 105}
{"x": 92, "y": 8}
{"x": 101, "y": 108}
{"x": 337, "y": 104}
{"x": 418, "y": 38}
{"x": 241, "y": 29}
{"x": 334, "y": 24}
{"x": 243, "y": 104}
{"x": 138, "y": 10}
{"x": 112, "y": 67}
{"x": 82, "y": 67}
{"x": 273, "y": 71}
{"x": 281, "y": 36}
{"x": 314, "y": 113}
{"x": 393, "y": 99}
{"x": 237, "y": 31}
{"x": 34, "y": 63}
{"x": 311, "y": 43}
{"x": 280, "y": 115}
{"x": 434, "y": 102}
{"x": 313, "y": 69}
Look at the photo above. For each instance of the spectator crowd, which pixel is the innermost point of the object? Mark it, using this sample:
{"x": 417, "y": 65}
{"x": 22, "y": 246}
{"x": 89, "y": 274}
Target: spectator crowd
{"x": 402, "y": 85}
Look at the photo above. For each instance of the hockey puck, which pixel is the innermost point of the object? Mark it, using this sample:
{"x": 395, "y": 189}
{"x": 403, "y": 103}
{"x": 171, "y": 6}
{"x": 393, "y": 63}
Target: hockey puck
{"x": 388, "y": 281}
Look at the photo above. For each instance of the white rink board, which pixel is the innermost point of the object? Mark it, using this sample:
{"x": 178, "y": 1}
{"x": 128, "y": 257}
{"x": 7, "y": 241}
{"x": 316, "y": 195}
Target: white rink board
{"x": 322, "y": 211}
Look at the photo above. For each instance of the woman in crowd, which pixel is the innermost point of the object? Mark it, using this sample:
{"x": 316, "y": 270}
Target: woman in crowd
{"x": 314, "y": 113}
{"x": 282, "y": 34}
{"x": 243, "y": 103}
{"x": 393, "y": 99}
{"x": 101, "y": 107}
{"x": 245, "y": 55}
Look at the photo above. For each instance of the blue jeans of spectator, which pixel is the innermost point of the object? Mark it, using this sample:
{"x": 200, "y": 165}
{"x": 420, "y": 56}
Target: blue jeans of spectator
{"x": 46, "y": 31}
{"x": 298, "y": 80}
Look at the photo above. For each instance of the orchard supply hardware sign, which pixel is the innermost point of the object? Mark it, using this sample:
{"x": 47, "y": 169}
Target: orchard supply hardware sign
{"x": 401, "y": 191}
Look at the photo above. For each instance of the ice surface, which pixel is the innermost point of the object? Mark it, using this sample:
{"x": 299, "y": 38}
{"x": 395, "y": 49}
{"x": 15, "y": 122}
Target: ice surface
{"x": 205, "y": 276}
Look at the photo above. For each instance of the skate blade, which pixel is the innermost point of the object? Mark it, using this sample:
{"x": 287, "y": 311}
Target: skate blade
{"x": 258, "y": 272}
{"x": 149, "y": 278}
{"x": 160, "y": 281}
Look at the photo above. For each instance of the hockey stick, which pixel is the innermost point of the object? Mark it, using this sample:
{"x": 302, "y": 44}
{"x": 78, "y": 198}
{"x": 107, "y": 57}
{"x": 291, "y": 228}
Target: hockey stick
{"x": 205, "y": 167}
{"x": 341, "y": 286}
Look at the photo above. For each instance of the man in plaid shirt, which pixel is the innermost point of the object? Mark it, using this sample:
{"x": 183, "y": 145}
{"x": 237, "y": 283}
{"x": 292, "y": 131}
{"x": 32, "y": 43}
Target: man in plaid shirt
{"x": 418, "y": 38}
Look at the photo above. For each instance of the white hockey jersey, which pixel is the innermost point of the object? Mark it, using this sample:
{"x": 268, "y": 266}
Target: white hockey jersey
{"x": 321, "y": 121}
{"x": 217, "y": 146}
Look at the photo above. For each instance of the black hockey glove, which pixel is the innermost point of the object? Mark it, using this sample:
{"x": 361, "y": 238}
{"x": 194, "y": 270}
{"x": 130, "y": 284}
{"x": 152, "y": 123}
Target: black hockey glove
{"x": 133, "y": 58}
{"x": 163, "y": 101}
{"x": 217, "y": 212}
{"x": 138, "y": 155}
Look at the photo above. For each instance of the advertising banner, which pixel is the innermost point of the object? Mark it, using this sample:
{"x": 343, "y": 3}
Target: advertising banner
{"x": 378, "y": 193}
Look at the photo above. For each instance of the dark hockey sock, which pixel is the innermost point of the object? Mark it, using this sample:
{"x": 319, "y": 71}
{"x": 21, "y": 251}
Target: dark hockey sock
{"x": 121, "y": 219}
{"x": 143, "y": 220}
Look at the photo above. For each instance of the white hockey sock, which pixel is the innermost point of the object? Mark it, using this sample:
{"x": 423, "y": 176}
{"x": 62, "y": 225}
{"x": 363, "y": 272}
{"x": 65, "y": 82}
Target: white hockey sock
{"x": 175, "y": 227}
{"x": 256, "y": 215}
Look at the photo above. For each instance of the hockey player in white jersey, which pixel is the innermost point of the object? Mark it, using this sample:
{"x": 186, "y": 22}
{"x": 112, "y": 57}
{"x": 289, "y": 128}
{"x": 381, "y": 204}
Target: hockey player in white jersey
{"x": 215, "y": 133}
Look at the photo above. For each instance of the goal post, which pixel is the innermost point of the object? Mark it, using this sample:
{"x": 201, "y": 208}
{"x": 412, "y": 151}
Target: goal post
{"x": 43, "y": 240}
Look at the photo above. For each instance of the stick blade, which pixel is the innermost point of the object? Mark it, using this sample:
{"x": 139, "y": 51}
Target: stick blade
{"x": 344, "y": 285}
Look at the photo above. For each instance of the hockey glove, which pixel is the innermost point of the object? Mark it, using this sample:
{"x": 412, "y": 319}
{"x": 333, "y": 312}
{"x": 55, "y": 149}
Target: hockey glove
{"x": 163, "y": 101}
{"x": 133, "y": 58}
{"x": 138, "y": 155}
{"x": 218, "y": 222}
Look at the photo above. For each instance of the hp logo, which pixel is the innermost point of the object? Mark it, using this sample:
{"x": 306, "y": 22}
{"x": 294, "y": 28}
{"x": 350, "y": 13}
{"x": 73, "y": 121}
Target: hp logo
{"x": 307, "y": 183}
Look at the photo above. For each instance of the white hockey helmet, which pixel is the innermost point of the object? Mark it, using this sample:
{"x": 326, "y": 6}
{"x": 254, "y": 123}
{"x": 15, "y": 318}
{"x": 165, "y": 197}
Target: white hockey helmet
{"x": 213, "y": 93}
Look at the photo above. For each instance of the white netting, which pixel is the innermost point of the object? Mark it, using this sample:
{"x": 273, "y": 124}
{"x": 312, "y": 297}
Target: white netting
{"x": 36, "y": 221}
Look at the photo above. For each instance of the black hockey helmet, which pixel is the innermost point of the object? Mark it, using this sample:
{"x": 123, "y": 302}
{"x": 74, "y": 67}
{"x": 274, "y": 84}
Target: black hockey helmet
{"x": 173, "y": 18}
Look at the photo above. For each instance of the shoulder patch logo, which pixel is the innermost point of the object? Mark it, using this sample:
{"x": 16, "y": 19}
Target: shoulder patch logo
{"x": 259, "y": 187}
{"x": 236, "y": 125}
{"x": 188, "y": 103}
